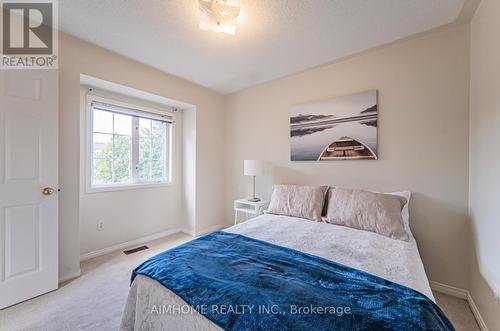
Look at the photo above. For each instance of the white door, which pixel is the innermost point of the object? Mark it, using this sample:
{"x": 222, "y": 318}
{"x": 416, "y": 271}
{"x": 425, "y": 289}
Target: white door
{"x": 28, "y": 164}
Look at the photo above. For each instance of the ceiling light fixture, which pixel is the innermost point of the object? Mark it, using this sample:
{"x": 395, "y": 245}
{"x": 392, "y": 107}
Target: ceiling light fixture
{"x": 218, "y": 16}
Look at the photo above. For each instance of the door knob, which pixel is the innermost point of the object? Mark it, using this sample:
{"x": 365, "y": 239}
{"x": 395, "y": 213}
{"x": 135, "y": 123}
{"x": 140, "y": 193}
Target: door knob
{"x": 47, "y": 191}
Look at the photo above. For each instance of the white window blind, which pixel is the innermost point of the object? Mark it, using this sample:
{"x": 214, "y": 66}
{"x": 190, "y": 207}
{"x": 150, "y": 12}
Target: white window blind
{"x": 131, "y": 111}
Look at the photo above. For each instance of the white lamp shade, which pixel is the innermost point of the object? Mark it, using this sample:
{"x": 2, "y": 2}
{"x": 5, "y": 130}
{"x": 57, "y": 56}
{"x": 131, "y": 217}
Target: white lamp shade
{"x": 253, "y": 168}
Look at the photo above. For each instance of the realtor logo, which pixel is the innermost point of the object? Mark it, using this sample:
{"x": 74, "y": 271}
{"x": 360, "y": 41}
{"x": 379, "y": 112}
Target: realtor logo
{"x": 29, "y": 35}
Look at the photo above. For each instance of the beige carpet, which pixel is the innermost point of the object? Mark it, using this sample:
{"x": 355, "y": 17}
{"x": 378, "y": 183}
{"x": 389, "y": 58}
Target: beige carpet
{"x": 95, "y": 300}
{"x": 458, "y": 312}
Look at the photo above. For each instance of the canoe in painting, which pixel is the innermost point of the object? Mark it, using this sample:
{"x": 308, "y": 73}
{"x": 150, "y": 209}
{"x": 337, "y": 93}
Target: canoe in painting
{"x": 347, "y": 148}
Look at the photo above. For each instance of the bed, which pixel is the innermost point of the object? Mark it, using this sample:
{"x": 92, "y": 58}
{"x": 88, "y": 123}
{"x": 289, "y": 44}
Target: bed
{"x": 394, "y": 260}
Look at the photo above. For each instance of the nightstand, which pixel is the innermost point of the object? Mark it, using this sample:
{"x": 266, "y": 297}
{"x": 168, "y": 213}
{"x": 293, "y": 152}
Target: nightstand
{"x": 249, "y": 207}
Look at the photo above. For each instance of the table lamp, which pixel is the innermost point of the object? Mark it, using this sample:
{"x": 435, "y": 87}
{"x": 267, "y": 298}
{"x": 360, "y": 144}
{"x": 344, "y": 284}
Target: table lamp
{"x": 253, "y": 168}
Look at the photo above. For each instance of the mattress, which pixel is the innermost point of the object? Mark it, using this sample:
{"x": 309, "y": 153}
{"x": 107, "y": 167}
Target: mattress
{"x": 398, "y": 261}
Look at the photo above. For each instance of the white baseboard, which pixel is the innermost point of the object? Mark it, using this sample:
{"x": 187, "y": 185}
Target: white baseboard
{"x": 65, "y": 278}
{"x": 462, "y": 294}
{"x": 477, "y": 313}
{"x": 187, "y": 231}
{"x": 129, "y": 244}
{"x": 143, "y": 240}
{"x": 450, "y": 290}
{"x": 210, "y": 229}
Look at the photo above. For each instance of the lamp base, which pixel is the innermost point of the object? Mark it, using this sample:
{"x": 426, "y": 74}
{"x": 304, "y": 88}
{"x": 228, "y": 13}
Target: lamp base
{"x": 254, "y": 200}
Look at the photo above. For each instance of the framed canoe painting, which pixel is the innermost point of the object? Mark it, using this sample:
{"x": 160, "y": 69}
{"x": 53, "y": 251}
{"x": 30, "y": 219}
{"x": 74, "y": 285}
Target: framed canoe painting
{"x": 341, "y": 128}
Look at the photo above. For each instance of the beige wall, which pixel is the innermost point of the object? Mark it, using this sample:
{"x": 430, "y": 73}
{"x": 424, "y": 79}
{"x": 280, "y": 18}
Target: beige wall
{"x": 79, "y": 57}
{"x": 423, "y": 124}
{"x": 485, "y": 159}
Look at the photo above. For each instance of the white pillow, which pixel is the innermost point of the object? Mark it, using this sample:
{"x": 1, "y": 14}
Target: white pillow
{"x": 369, "y": 211}
{"x": 298, "y": 201}
{"x": 405, "y": 212}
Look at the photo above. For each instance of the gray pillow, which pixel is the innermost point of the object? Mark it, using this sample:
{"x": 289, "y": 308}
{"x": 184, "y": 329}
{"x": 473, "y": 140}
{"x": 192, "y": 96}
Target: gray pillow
{"x": 298, "y": 201}
{"x": 369, "y": 211}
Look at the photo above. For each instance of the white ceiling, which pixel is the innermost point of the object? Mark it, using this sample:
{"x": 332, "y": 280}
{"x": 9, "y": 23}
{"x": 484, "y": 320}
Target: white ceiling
{"x": 274, "y": 38}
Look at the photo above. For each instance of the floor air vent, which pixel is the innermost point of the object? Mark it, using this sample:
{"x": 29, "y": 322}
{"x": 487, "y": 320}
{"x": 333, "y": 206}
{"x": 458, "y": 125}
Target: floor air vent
{"x": 135, "y": 250}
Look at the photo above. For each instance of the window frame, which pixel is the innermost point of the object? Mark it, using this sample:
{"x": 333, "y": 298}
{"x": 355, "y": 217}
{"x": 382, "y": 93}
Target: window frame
{"x": 95, "y": 188}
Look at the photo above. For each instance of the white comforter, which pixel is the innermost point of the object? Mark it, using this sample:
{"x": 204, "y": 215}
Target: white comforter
{"x": 391, "y": 259}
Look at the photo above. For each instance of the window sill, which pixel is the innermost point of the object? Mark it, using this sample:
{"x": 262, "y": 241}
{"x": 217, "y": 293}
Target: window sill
{"x": 126, "y": 187}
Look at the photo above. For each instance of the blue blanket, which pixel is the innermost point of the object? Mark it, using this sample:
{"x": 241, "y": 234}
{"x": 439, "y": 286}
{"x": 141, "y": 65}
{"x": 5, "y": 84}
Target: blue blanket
{"x": 241, "y": 283}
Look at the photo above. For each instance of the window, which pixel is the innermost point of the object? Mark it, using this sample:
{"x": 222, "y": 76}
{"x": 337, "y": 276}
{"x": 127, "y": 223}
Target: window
{"x": 128, "y": 146}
